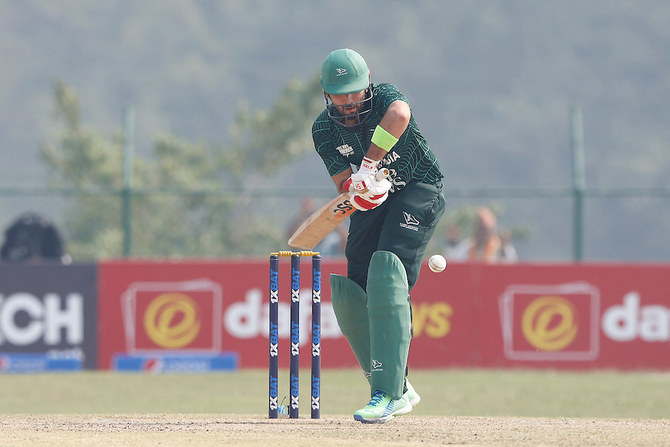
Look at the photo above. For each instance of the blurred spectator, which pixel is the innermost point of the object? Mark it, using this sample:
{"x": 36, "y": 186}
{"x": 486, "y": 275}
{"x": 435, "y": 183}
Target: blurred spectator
{"x": 484, "y": 245}
{"x": 456, "y": 249}
{"x": 331, "y": 245}
{"x": 33, "y": 239}
{"x": 507, "y": 250}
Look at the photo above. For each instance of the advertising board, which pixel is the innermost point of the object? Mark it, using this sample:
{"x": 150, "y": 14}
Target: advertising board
{"x": 48, "y": 317}
{"x": 564, "y": 316}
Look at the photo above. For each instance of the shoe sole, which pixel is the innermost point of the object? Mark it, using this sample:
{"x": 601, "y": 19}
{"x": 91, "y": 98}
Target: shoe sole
{"x": 372, "y": 421}
{"x": 384, "y": 419}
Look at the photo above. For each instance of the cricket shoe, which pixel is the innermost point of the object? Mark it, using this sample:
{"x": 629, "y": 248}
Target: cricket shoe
{"x": 382, "y": 408}
{"x": 411, "y": 394}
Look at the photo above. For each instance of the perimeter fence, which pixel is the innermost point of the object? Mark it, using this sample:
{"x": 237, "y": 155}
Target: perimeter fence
{"x": 551, "y": 224}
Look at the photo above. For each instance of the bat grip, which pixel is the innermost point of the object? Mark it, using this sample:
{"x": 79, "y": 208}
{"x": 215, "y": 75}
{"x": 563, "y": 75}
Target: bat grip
{"x": 382, "y": 174}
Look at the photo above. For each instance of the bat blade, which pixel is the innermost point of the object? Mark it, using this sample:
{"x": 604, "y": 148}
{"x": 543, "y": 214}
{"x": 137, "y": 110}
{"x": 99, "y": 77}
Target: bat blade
{"x": 324, "y": 220}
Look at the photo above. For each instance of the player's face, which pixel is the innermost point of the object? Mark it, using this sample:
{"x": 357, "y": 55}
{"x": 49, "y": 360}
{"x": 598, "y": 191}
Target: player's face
{"x": 350, "y": 104}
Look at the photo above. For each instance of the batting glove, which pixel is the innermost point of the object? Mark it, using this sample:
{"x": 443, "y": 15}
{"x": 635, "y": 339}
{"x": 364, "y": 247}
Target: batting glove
{"x": 376, "y": 188}
{"x": 362, "y": 203}
{"x": 359, "y": 181}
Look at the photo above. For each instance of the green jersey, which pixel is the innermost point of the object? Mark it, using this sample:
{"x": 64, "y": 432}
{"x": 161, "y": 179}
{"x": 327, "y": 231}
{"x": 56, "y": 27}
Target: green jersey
{"x": 340, "y": 147}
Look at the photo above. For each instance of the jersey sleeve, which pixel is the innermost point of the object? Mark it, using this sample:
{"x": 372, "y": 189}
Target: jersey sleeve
{"x": 385, "y": 95}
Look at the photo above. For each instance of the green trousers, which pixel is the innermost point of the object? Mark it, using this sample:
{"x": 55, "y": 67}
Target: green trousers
{"x": 403, "y": 225}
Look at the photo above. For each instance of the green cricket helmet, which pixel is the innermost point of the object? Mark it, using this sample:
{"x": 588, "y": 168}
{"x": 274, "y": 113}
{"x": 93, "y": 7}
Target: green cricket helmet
{"x": 345, "y": 71}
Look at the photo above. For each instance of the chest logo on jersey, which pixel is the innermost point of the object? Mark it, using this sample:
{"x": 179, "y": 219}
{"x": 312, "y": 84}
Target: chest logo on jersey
{"x": 345, "y": 150}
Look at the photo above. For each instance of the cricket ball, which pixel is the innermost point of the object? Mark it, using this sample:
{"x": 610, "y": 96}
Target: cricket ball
{"x": 437, "y": 263}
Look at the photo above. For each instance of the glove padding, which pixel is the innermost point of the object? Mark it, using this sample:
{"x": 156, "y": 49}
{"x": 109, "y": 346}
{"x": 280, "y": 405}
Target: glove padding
{"x": 375, "y": 183}
{"x": 376, "y": 188}
{"x": 359, "y": 182}
{"x": 377, "y": 192}
{"x": 362, "y": 203}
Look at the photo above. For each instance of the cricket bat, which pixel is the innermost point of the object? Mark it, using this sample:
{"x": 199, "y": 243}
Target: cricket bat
{"x": 324, "y": 220}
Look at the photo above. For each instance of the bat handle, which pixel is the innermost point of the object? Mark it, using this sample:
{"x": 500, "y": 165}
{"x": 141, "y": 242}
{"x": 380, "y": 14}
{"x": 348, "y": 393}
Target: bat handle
{"x": 382, "y": 174}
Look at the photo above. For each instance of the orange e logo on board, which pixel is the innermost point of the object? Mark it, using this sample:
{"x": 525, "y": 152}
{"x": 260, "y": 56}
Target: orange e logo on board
{"x": 184, "y": 316}
{"x": 549, "y": 323}
{"x": 172, "y": 320}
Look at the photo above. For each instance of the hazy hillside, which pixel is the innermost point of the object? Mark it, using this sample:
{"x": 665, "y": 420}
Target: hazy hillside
{"x": 491, "y": 83}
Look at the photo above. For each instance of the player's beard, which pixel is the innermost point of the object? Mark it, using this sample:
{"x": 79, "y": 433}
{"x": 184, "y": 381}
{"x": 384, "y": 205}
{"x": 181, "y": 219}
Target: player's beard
{"x": 351, "y": 113}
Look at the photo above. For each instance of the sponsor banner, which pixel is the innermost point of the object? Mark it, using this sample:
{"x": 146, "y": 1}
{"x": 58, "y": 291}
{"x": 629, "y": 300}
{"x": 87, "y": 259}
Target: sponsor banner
{"x": 188, "y": 308}
{"x": 49, "y": 309}
{"x": 573, "y": 316}
{"x": 176, "y": 363}
{"x": 34, "y": 363}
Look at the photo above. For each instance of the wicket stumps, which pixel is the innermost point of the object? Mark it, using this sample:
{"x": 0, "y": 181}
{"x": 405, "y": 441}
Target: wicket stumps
{"x": 294, "y": 368}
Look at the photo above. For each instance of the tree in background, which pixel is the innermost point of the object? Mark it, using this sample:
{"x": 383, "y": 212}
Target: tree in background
{"x": 189, "y": 199}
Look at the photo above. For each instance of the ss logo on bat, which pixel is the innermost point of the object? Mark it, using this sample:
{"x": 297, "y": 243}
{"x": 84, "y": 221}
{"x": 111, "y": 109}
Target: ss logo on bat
{"x": 344, "y": 207}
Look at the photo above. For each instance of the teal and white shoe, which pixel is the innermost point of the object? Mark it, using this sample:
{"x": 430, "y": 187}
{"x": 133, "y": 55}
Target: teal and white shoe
{"x": 382, "y": 408}
{"x": 411, "y": 394}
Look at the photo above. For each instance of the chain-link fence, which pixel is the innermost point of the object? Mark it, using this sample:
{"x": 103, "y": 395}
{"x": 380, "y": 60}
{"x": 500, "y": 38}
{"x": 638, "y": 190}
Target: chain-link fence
{"x": 546, "y": 224}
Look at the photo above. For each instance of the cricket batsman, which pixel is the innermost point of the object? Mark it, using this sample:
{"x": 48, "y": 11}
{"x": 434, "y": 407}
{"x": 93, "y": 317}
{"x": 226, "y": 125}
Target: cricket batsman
{"x": 364, "y": 128}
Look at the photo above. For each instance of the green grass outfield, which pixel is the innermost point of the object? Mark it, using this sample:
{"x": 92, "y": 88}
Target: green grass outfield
{"x": 458, "y": 407}
{"x": 451, "y": 392}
